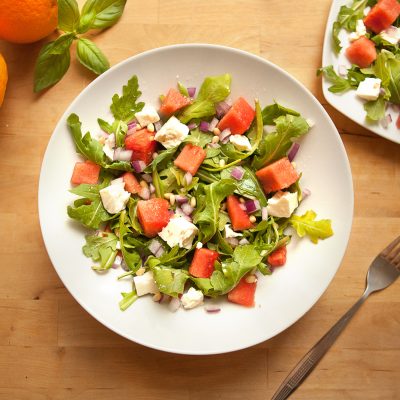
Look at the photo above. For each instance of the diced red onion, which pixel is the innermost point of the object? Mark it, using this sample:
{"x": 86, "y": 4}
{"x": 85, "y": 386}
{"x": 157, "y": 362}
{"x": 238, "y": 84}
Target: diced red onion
{"x": 385, "y": 121}
{"x": 159, "y": 252}
{"x": 181, "y": 199}
{"x": 154, "y": 246}
{"x": 243, "y": 241}
{"x": 252, "y": 206}
{"x": 132, "y": 125}
{"x": 342, "y": 70}
{"x": 237, "y": 173}
{"x": 293, "y": 151}
{"x": 147, "y": 177}
{"x": 155, "y": 155}
{"x": 214, "y": 145}
{"x": 171, "y": 213}
{"x": 233, "y": 241}
{"x": 213, "y": 124}
{"x": 224, "y": 135}
{"x": 382, "y": 93}
{"x": 165, "y": 299}
{"x": 242, "y": 206}
{"x": 191, "y": 91}
{"x": 187, "y": 178}
{"x": 157, "y": 125}
{"x": 187, "y": 208}
{"x": 395, "y": 107}
{"x": 117, "y": 262}
{"x": 144, "y": 193}
{"x": 152, "y": 188}
{"x": 305, "y": 193}
{"x": 138, "y": 165}
{"x": 174, "y": 304}
{"x": 204, "y": 126}
{"x": 192, "y": 126}
{"x": 122, "y": 155}
{"x": 212, "y": 308}
{"x": 222, "y": 108}
{"x": 264, "y": 213}
{"x": 124, "y": 265}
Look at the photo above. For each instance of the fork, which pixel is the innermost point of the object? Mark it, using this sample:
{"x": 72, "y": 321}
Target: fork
{"x": 383, "y": 271}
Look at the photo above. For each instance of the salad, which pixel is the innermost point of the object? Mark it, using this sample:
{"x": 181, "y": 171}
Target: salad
{"x": 191, "y": 198}
{"x": 365, "y": 37}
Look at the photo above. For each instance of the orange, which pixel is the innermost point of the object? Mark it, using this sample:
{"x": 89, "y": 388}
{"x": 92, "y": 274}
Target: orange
{"x": 26, "y": 21}
{"x": 3, "y": 78}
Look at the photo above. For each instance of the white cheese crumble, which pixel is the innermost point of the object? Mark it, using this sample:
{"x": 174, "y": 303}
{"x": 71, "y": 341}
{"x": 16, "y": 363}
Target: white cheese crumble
{"x": 172, "y": 133}
{"x": 114, "y": 197}
{"x": 230, "y": 233}
{"x": 145, "y": 284}
{"x": 391, "y": 35}
{"x": 148, "y": 115}
{"x": 241, "y": 142}
{"x": 109, "y": 146}
{"x": 282, "y": 204}
{"x": 179, "y": 231}
{"x": 192, "y": 298}
{"x": 369, "y": 89}
{"x": 361, "y": 30}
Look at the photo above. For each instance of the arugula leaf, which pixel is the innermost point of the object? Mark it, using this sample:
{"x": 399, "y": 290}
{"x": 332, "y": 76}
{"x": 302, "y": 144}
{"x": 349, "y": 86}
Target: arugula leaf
{"x": 340, "y": 85}
{"x": 275, "y": 145}
{"x": 132, "y": 258}
{"x": 100, "y": 14}
{"x": 347, "y": 19}
{"x": 198, "y": 138}
{"x": 170, "y": 281}
{"x": 375, "y": 109}
{"x": 207, "y": 219}
{"x": 213, "y": 90}
{"x": 101, "y": 249}
{"x": 90, "y": 56}
{"x": 124, "y": 107}
{"x": 53, "y": 62}
{"x": 183, "y": 89}
{"x": 105, "y": 126}
{"x": 307, "y": 225}
{"x": 120, "y": 128}
{"x": 248, "y": 186}
{"x": 127, "y": 300}
{"x": 132, "y": 213}
{"x": 161, "y": 161}
{"x": 68, "y": 15}
{"x": 393, "y": 68}
{"x": 273, "y": 111}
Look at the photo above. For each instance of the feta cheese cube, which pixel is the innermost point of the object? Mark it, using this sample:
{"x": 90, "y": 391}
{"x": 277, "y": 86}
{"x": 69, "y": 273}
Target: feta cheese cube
{"x": 179, "y": 231}
{"x": 391, "y": 35}
{"x": 230, "y": 233}
{"x": 172, "y": 133}
{"x": 192, "y": 298}
{"x": 109, "y": 146}
{"x": 369, "y": 89}
{"x": 148, "y": 115}
{"x": 282, "y": 204}
{"x": 361, "y": 30}
{"x": 145, "y": 284}
{"x": 114, "y": 197}
{"x": 241, "y": 142}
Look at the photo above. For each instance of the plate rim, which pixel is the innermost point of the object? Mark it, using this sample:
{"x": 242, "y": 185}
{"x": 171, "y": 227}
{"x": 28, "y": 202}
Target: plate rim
{"x": 343, "y": 154}
{"x": 329, "y": 97}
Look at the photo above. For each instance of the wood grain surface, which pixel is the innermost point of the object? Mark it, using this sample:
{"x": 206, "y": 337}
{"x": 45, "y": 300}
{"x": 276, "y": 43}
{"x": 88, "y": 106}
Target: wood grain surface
{"x": 50, "y": 348}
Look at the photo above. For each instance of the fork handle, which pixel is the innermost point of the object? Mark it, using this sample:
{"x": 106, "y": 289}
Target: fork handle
{"x": 311, "y": 359}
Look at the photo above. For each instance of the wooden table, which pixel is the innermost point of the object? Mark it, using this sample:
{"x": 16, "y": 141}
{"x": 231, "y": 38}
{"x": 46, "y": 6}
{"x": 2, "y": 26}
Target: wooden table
{"x": 52, "y": 349}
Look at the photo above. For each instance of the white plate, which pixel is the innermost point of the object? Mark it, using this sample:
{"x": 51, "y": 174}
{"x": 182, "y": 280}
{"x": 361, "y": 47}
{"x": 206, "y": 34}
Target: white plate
{"x": 348, "y": 103}
{"x": 282, "y": 298}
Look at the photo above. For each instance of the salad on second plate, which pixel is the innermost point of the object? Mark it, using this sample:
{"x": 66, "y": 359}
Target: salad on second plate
{"x": 366, "y": 36}
{"x": 192, "y": 198}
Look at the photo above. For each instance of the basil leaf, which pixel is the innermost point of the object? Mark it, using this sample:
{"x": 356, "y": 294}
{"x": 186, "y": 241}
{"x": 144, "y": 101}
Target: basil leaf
{"x": 340, "y": 85}
{"x": 207, "y": 219}
{"x": 68, "y": 15}
{"x": 127, "y": 300}
{"x": 307, "y": 225}
{"x": 101, "y": 13}
{"x": 90, "y": 56}
{"x": 124, "y": 107}
{"x": 213, "y": 90}
{"x": 275, "y": 145}
{"x": 101, "y": 249}
{"x": 273, "y": 111}
{"x": 53, "y": 62}
{"x": 375, "y": 109}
